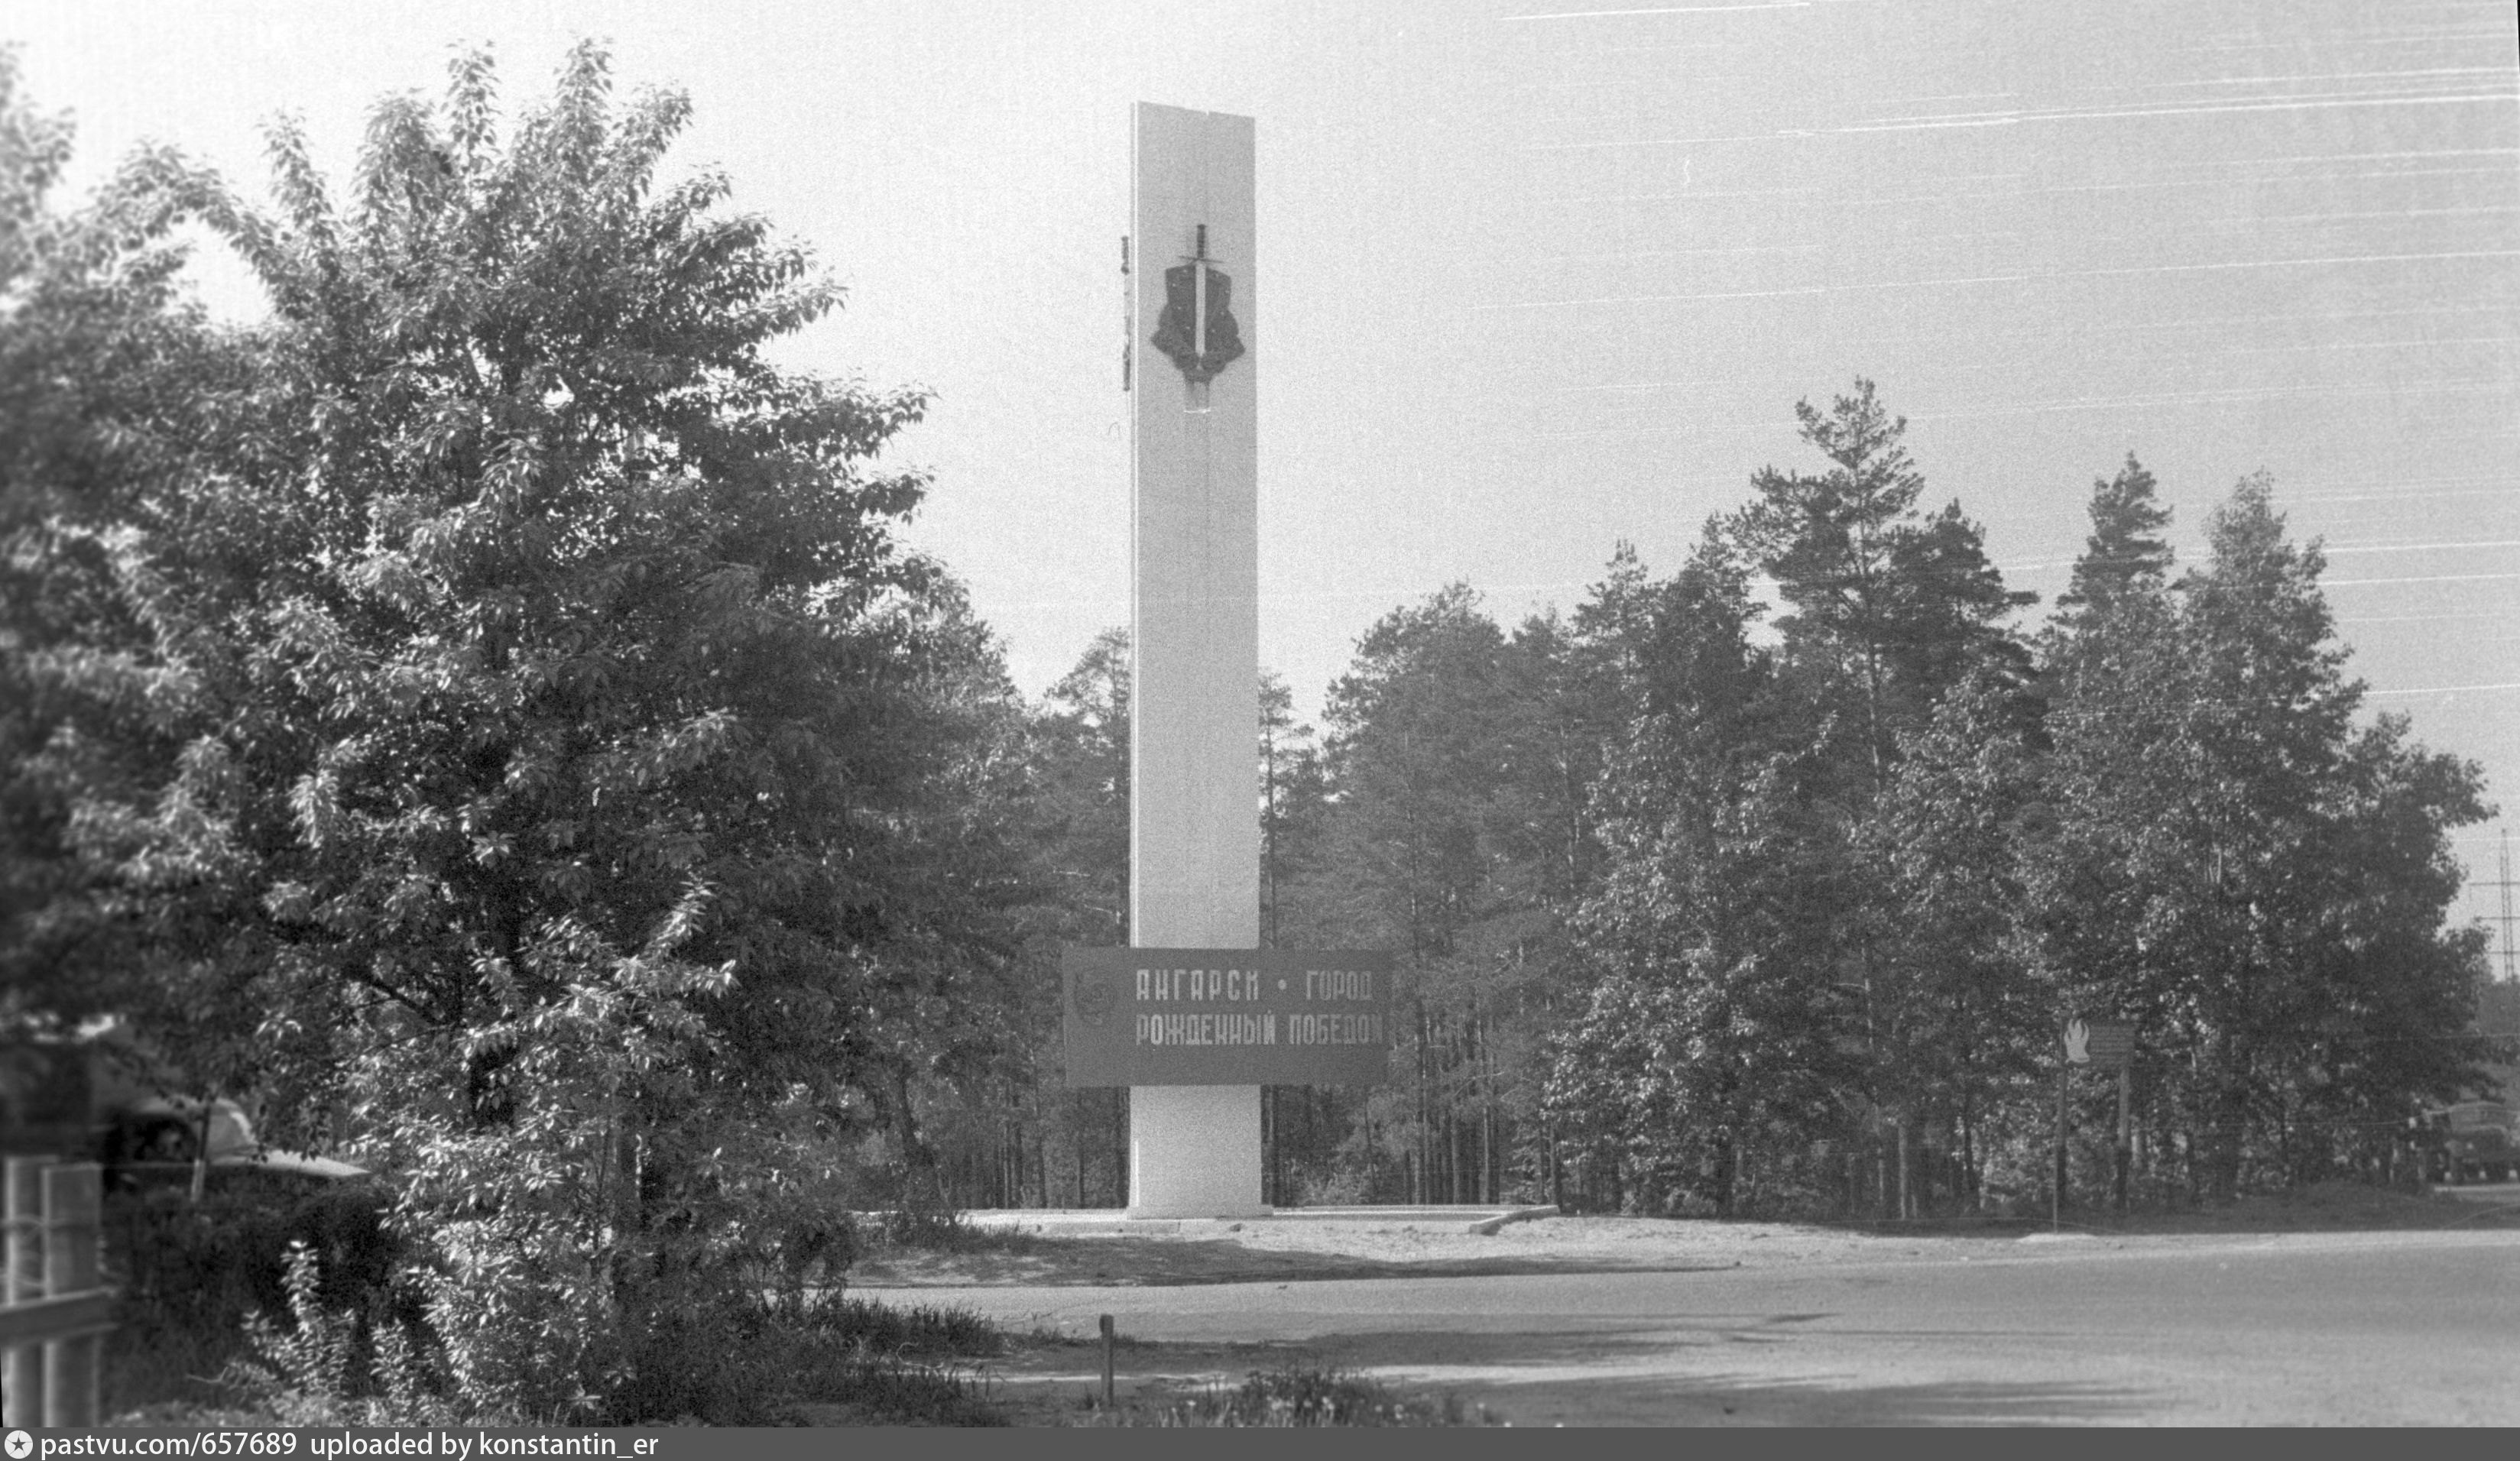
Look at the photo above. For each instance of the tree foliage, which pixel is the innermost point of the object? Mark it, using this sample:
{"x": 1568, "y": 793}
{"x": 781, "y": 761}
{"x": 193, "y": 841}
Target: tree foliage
{"x": 1890, "y": 607}
{"x": 537, "y": 724}
{"x": 1699, "y": 912}
{"x": 2258, "y": 881}
{"x": 106, "y": 374}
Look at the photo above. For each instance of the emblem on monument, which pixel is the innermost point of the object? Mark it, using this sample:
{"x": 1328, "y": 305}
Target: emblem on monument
{"x": 1196, "y": 328}
{"x": 1095, "y": 996}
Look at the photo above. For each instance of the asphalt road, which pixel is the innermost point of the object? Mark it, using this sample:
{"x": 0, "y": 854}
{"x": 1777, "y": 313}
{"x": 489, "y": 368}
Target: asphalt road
{"x": 2331, "y": 1328}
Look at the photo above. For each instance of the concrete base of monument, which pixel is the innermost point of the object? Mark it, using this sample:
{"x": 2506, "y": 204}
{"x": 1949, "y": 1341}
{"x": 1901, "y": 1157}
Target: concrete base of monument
{"x": 1194, "y": 1151}
{"x": 1476, "y": 1218}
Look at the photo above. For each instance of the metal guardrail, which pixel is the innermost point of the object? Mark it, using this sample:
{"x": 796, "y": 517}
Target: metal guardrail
{"x": 58, "y": 1309}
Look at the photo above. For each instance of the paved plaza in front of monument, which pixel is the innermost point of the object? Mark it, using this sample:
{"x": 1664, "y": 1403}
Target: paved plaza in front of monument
{"x": 2385, "y": 1310}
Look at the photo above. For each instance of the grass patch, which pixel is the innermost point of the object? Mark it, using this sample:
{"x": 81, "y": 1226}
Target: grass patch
{"x": 1298, "y": 1394}
{"x": 916, "y": 1230}
{"x": 152, "y": 1370}
{"x": 829, "y": 1360}
{"x": 924, "y": 1330}
{"x": 864, "y": 1391}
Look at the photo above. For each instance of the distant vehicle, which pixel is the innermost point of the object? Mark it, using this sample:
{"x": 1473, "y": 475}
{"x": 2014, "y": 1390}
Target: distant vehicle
{"x": 2472, "y": 1141}
{"x": 78, "y": 1098}
{"x": 160, "y": 1136}
{"x": 195, "y": 1176}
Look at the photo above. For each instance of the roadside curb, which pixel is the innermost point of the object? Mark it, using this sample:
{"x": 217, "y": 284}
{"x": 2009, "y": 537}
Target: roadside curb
{"x": 1481, "y": 1220}
{"x": 1490, "y": 1226}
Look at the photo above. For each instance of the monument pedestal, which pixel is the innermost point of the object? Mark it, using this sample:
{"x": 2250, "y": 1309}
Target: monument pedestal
{"x": 1194, "y": 1151}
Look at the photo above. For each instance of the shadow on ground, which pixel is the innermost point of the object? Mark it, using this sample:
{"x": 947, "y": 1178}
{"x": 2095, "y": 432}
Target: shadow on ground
{"x": 2324, "y": 1206}
{"x": 1721, "y": 1399}
{"x": 1665, "y": 1376}
{"x": 1137, "y": 1263}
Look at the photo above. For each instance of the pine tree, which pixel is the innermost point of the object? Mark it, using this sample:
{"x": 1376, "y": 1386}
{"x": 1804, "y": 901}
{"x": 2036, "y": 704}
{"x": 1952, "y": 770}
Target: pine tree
{"x": 1707, "y": 1051}
{"x": 1963, "y": 1017}
{"x": 1295, "y": 813}
{"x": 2256, "y": 881}
{"x": 1417, "y": 756}
{"x": 1890, "y": 607}
{"x": 1081, "y": 748}
{"x": 1892, "y": 610}
{"x": 2123, "y": 552}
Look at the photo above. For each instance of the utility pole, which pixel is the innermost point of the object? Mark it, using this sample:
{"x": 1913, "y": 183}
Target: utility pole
{"x": 2508, "y": 971}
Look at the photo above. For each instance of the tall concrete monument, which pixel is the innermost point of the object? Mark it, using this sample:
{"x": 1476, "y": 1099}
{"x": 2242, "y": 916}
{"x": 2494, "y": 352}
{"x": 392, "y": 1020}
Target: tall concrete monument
{"x": 1193, "y": 830}
{"x": 1193, "y": 1017}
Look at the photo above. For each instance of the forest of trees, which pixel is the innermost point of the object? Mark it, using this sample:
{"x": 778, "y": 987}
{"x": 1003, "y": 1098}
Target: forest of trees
{"x": 1768, "y": 885}
{"x": 484, "y": 710}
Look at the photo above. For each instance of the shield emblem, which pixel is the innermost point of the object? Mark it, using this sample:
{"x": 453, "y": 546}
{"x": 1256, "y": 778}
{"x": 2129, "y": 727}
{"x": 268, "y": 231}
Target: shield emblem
{"x": 1174, "y": 331}
{"x": 1095, "y": 996}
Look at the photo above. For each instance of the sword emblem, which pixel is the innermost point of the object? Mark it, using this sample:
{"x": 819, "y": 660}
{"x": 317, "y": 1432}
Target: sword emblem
{"x": 1196, "y": 328}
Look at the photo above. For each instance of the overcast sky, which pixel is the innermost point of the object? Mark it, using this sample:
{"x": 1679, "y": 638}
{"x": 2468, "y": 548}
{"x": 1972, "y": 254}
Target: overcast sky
{"x": 1542, "y": 278}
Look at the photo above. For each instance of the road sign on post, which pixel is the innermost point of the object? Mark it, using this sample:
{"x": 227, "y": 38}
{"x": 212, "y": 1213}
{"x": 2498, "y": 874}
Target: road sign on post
{"x": 2111, "y": 1044}
{"x": 2102, "y": 1045}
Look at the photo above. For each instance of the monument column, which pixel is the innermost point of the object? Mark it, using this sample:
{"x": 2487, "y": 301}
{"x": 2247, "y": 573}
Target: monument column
{"x": 1194, "y": 831}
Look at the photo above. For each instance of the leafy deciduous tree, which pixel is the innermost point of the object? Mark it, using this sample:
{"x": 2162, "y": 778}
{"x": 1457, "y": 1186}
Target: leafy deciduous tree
{"x": 567, "y": 761}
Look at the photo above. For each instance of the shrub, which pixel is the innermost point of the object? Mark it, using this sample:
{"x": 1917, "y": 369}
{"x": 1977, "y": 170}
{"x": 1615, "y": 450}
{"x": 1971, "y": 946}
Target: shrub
{"x": 924, "y": 1330}
{"x": 323, "y": 1369}
{"x": 198, "y": 1268}
{"x": 741, "y": 1363}
{"x": 945, "y": 1230}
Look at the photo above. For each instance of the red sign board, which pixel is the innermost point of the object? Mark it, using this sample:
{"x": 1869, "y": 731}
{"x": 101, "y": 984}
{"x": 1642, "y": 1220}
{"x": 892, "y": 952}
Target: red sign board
{"x": 1226, "y": 1016}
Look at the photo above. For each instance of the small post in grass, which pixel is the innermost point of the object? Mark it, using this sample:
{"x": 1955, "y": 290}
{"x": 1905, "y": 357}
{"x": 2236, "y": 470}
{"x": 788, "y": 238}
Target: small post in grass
{"x": 2056, "y": 1184}
{"x": 1109, "y": 1339}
